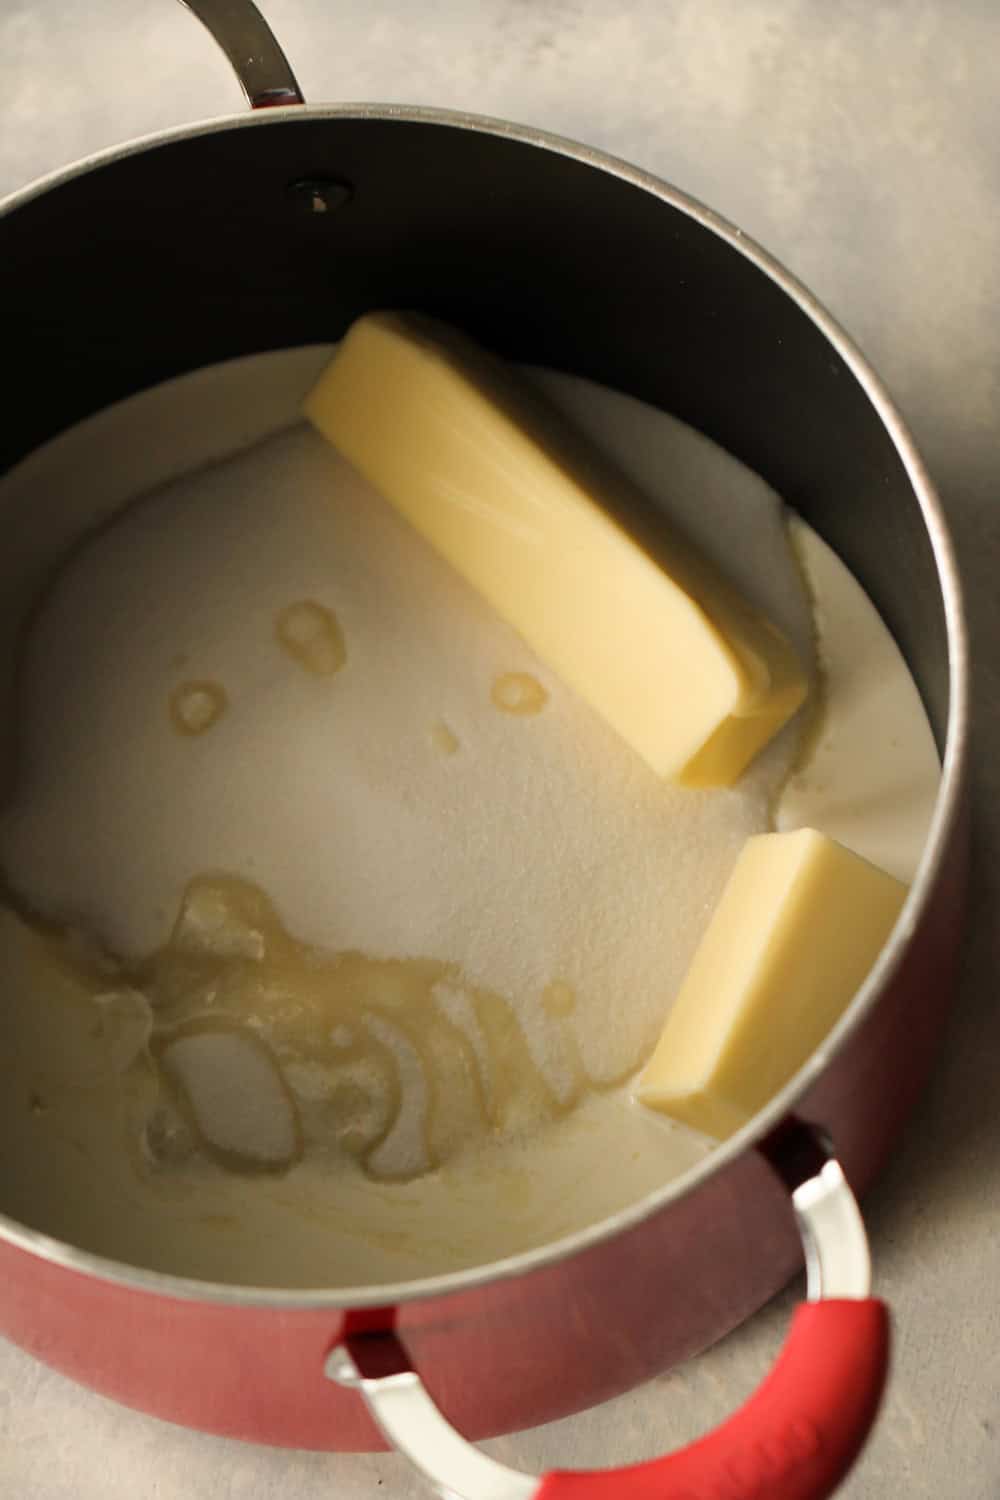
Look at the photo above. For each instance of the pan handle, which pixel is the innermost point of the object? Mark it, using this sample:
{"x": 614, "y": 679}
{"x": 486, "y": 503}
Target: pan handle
{"x": 263, "y": 70}
{"x": 795, "y": 1438}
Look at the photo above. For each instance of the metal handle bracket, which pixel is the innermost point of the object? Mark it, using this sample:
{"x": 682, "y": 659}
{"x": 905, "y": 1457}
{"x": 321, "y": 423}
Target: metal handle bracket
{"x": 264, "y": 72}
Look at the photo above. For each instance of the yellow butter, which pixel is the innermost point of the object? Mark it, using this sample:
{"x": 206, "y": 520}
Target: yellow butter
{"x": 799, "y": 925}
{"x": 649, "y": 634}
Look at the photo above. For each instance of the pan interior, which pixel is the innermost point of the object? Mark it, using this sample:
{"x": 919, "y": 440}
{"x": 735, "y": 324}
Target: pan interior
{"x": 744, "y": 364}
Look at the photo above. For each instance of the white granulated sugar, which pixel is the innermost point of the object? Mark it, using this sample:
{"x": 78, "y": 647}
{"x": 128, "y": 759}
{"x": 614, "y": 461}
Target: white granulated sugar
{"x": 541, "y": 850}
{"x": 236, "y": 1094}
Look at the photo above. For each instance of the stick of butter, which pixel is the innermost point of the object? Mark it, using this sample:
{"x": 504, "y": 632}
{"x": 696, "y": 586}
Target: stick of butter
{"x": 799, "y": 924}
{"x": 652, "y": 636}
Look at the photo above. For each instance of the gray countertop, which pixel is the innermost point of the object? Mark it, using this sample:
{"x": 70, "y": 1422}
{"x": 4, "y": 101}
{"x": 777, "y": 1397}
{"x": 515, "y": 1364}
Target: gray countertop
{"x": 860, "y": 143}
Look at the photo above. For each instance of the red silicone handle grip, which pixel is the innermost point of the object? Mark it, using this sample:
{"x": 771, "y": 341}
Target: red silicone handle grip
{"x": 795, "y": 1438}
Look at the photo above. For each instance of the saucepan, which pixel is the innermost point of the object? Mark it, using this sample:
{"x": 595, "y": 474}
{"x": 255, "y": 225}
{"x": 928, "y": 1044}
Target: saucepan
{"x": 278, "y": 228}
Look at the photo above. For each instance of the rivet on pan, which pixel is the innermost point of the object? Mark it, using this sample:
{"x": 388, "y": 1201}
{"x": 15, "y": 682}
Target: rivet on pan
{"x": 319, "y": 195}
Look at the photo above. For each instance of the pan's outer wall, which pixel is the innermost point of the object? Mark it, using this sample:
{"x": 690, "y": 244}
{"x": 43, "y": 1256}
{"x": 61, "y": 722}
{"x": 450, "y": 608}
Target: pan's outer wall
{"x": 194, "y": 250}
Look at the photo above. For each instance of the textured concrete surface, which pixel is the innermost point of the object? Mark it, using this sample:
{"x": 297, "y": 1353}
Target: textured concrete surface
{"x": 860, "y": 144}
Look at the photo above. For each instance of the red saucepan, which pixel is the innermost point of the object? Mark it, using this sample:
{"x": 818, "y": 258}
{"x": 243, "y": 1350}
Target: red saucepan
{"x": 277, "y": 229}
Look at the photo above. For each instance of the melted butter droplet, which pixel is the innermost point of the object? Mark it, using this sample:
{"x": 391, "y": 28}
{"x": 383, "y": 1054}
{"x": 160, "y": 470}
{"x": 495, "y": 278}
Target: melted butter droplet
{"x": 519, "y": 693}
{"x": 196, "y": 706}
{"x": 558, "y": 999}
{"x": 260, "y": 1048}
{"x": 311, "y": 635}
{"x": 444, "y": 739}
